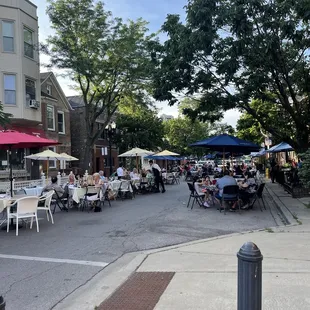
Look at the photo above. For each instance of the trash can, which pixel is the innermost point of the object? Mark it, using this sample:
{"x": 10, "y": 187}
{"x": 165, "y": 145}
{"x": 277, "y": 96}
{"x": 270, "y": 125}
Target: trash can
{"x": 2, "y": 303}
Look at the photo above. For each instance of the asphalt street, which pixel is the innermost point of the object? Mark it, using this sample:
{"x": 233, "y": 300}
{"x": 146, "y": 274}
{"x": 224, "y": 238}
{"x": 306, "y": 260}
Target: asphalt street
{"x": 37, "y": 270}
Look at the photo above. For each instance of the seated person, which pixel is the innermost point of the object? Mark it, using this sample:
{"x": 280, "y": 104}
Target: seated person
{"x": 97, "y": 181}
{"x": 126, "y": 175}
{"x": 198, "y": 184}
{"x": 238, "y": 170}
{"x": 89, "y": 181}
{"x": 102, "y": 177}
{"x": 59, "y": 191}
{"x": 224, "y": 181}
{"x": 134, "y": 174}
{"x": 149, "y": 174}
{"x": 71, "y": 179}
{"x": 246, "y": 190}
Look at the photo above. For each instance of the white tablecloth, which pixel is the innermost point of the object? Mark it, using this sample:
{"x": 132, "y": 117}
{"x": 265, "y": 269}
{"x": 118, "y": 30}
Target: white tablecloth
{"x": 4, "y": 202}
{"x": 35, "y": 191}
{"x": 77, "y": 193}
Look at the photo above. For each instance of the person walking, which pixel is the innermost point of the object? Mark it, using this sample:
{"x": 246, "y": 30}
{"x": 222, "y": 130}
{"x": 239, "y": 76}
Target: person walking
{"x": 157, "y": 176}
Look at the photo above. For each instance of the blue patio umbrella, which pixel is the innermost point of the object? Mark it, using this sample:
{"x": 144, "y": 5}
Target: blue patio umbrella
{"x": 228, "y": 143}
{"x": 260, "y": 153}
{"x": 209, "y": 156}
{"x": 281, "y": 147}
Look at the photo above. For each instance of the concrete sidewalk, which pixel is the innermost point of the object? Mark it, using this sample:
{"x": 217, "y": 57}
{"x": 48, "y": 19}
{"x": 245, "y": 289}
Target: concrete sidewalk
{"x": 205, "y": 271}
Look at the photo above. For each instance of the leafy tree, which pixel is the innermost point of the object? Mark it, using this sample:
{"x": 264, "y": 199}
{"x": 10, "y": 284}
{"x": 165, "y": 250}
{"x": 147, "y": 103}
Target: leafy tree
{"x": 304, "y": 171}
{"x": 181, "y": 132}
{"x": 221, "y": 128}
{"x": 139, "y": 127}
{"x": 236, "y": 51}
{"x": 107, "y": 59}
{"x": 4, "y": 117}
{"x": 250, "y": 128}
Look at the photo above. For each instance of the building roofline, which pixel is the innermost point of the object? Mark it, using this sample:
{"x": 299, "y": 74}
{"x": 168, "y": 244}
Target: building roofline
{"x": 31, "y": 3}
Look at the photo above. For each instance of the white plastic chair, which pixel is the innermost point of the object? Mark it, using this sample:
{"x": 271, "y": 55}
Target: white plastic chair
{"x": 25, "y": 208}
{"x": 125, "y": 188}
{"x": 91, "y": 196}
{"x": 47, "y": 198}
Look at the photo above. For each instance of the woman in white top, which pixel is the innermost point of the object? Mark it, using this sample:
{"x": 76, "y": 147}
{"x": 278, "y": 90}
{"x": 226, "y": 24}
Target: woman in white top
{"x": 134, "y": 174}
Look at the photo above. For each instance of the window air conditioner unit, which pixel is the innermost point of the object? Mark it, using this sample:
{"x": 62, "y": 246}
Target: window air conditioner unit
{"x": 34, "y": 104}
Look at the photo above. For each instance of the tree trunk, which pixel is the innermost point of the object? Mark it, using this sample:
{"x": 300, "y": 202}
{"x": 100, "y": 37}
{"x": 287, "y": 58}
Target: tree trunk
{"x": 86, "y": 162}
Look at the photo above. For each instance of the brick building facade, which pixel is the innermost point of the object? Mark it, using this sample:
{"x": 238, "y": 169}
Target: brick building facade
{"x": 55, "y": 116}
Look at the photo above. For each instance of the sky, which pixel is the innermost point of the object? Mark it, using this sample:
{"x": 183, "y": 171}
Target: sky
{"x": 155, "y": 12}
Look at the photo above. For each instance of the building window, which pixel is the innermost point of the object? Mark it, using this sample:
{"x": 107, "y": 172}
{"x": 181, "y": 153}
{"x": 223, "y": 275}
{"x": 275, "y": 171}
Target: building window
{"x": 28, "y": 43}
{"x": 9, "y": 88}
{"x": 52, "y": 163}
{"x": 30, "y": 86}
{"x": 8, "y": 36}
{"x": 102, "y": 136}
{"x": 61, "y": 121}
{"x": 49, "y": 89}
{"x": 50, "y": 117}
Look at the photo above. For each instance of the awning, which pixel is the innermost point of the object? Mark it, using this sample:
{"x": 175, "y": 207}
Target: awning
{"x": 34, "y": 131}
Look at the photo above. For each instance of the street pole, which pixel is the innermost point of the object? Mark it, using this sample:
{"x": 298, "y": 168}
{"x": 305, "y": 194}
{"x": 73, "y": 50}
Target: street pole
{"x": 110, "y": 152}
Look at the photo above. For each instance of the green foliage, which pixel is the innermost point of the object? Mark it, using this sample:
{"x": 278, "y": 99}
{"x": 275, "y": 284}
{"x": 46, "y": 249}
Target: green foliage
{"x": 181, "y": 132}
{"x": 139, "y": 127}
{"x": 4, "y": 117}
{"x": 249, "y": 128}
{"x": 233, "y": 52}
{"x": 304, "y": 171}
{"x": 108, "y": 59}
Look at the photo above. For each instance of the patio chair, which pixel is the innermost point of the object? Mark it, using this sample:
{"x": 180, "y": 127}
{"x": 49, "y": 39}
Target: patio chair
{"x": 177, "y": 177}
{"x": 61, "y": 201}
{"x": 46, "y": 201}
{"x": 125, "y": 189}
{"x": 104, "y": 195}
{"x": 230, "y": 194}
{"x": 26, "y": 207}
{"x": 259, "y": 196}
{"x": 91, "y": 198}
{"x": 115, "y": 187}
{"x": 195, "y": 196}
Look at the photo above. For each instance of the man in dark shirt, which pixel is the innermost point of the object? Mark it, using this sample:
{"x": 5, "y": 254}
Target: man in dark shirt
{"x": 157, "y": 176}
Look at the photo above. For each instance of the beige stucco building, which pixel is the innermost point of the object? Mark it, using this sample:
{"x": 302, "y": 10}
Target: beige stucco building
{"x": 19, "y": 62}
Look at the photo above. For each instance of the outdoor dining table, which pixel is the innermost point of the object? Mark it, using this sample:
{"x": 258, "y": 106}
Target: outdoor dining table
{"x": 33, "y": 191}
{"x": 6, "y": 202}
{"x": 78, "y": 193}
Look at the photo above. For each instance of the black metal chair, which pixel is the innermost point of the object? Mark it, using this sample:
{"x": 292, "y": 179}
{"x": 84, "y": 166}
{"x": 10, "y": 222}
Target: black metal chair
{"x": 61, "y": 201}
{"x": 230, "y": 194}
{"x": 259, "y": 196}
{"x": 195, "y": 196}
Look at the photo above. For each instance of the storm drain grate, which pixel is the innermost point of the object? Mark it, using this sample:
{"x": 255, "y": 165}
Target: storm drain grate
{"x": 140, "y": 292}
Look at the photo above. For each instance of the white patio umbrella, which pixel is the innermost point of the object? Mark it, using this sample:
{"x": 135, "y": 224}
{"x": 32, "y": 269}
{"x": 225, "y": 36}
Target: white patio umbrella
{"x": 136, "y": 152}
{"x": 46, "y": 155}
{"x": 166, "y": 153}
{"x": 67, "y": 158}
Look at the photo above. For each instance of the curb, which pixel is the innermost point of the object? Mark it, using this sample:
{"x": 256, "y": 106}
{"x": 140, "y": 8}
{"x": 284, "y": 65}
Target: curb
{"x": 284, "y": 213}
{"x": 103, "y": 284}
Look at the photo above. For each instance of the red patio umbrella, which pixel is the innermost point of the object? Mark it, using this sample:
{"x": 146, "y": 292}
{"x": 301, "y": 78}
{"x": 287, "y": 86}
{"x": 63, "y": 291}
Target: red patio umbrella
{"x": 10, "y": 139}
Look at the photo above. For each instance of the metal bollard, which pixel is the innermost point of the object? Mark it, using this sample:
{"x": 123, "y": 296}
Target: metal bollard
{"x": 2, "y": 303}
{"x": 249, "y": 277}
